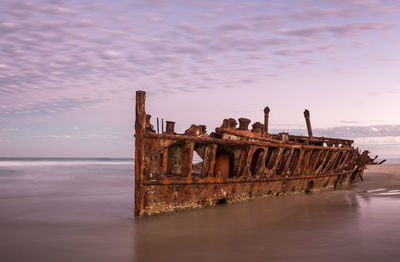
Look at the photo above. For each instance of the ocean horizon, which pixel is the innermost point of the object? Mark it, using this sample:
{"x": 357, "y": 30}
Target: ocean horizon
{"x": 62, "y": 161}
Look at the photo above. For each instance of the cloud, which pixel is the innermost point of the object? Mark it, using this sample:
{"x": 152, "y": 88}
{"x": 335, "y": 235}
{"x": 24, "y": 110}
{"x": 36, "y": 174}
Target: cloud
{"x": 58, "y": 10}
{"x": 350, "y": 132}
{"x": 4, "y": 131}
{"x": 110, "y": 54}
{"x": 346, "y": 9}
{"x": 380, "y": 140}
{"x": 232, "y": 27}
{"x": 55, "y": 137}
{"x": 80, "y": 48}
{"x": 207, "y": 16}
{"x": 189, "y": 28}
{"x": 327, "y": 48}
{"x": 7, "y": 27}
{"x": 360, "y": 131}
{"x": 361, "y": 3}
{"x": 47, "y": 50}
{"x": 385, "y": 91}
{"x": 191, "y": 50}
{"x": 384, "y": 59}
{"x": 360, "y": 44}
{"x": 309, "y": 61}
{"x": 20, "y": 5}
{"x": 338, "y": 30}
{"x": 348, "y": 122}
{"x": 153, "y": 18}
{"x": 316, "y": 12}
{"x": 157, "y": 2}
{"x": 275, "y": 41}
{"x": 292, "y": 52}
{"x": 265, "y": 20}
{"x": 48, "y": 107}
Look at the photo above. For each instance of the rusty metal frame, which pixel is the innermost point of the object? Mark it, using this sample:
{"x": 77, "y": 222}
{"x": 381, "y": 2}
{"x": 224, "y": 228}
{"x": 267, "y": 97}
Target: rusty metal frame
{"x": 237, "y": 163}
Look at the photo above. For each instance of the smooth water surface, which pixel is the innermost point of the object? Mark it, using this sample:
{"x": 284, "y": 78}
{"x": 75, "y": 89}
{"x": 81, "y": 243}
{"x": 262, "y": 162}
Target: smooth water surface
{"x": 83, "y": 211}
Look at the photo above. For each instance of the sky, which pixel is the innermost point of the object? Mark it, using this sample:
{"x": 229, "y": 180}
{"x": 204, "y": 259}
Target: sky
{"x": 69, "y": 70}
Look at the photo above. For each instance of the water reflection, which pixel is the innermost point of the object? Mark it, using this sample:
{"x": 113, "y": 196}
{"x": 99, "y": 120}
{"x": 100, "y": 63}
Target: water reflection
{"x": 283, "y": 228}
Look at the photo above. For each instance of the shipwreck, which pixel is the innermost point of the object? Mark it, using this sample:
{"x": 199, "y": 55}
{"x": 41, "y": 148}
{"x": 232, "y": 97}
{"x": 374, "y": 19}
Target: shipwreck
{"x": 236, "y": 163}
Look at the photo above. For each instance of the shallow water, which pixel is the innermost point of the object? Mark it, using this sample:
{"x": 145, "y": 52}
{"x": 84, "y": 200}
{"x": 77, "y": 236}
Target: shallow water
{"x": 84, "y": 212}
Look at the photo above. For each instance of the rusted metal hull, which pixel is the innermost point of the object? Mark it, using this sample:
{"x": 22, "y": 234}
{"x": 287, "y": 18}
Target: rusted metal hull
{"x": 237, "y": 164}
{"x": 166, "y": 198}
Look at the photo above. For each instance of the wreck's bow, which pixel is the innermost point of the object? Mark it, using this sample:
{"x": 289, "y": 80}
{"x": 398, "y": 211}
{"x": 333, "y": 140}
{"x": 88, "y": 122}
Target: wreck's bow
{"x": 236, "y": 163}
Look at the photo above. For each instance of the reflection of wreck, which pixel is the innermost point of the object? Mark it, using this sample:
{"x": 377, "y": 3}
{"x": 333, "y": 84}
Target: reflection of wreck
{"x": 236, "y": 163}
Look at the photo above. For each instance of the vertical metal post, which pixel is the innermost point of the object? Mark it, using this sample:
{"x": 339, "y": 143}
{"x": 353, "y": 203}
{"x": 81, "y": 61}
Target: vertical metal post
{"x": 170, "y": 128}
{"x": 308, "y": 123}
{"x": 140, "y": 129}
{"x": 162, "y": 125}
{"x": 158, "y": 131}
{"x": 266, "y": 117}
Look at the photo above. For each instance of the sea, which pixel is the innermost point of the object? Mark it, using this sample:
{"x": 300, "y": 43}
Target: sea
{"x": 75, "y": 209}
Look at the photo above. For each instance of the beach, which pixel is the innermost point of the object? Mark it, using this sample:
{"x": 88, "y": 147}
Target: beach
{"x": 84, "y": 212}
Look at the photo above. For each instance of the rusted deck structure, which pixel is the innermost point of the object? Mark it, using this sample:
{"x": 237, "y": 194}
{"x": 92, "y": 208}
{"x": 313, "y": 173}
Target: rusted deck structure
{"x": 237, "y": 163}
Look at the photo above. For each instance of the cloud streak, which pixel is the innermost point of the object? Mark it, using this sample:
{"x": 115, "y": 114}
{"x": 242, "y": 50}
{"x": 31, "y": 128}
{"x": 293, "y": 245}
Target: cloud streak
{"x": 44, "y": 108}
{"x": 348, "y": 29}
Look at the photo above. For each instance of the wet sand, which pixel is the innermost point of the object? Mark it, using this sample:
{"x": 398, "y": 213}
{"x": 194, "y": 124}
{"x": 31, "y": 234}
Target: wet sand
{"x": 85, "y": 213}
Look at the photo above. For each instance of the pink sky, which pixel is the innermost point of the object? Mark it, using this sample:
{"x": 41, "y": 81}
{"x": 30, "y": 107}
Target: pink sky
{"x": 69, "y": 70}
